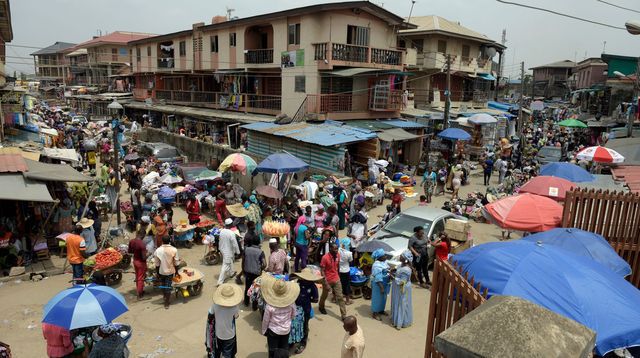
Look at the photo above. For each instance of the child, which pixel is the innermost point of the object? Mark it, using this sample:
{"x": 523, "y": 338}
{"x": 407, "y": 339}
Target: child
{"x": 423, "y": 200}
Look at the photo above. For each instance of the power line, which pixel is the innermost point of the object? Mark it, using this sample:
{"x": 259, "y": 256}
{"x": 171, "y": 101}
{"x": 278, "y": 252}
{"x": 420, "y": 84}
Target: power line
{"x": 619, "y": 7}
{"x": 561, "y": 14}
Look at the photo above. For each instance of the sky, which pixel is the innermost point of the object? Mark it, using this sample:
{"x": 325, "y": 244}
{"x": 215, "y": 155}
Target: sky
{"x": 534, "y": 37}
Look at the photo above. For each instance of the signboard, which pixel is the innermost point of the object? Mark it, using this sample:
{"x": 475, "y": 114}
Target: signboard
{"x": 292, "y": 58}
{"x": 553, "y": 191}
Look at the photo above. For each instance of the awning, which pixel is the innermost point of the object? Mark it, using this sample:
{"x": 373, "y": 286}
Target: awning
{"x": 349, "y": 72}
{"x": 396, "y": 135}
{"x": 53, "y": 172}
{"x": 60, "y": 154}
{"x": 486, "y": 76}
{"x": 202, "y": 113}
{"x": 16, "y": 187}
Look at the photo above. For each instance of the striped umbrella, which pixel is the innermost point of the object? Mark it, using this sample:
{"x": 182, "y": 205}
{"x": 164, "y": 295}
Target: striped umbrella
{"x": 84, "y": 306}
{"x": 238, "y": 162}
{"x": 600, "y": 154}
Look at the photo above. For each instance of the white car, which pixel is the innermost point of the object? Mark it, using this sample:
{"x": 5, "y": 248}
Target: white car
{"x": 81, "y": 120}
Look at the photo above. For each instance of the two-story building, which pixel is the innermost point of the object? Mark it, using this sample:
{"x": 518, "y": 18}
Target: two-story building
{"x": 97, "y": 61}
{"x": 470, "y": 54}
{"x": 590, "y": 72}
{"x": 553, "y": 80}
{"x": 6, "y": 35}
{"x": 51, "y": 66}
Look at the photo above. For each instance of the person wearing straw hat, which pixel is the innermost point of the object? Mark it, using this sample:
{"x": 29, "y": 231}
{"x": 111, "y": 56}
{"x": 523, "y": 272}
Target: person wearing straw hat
{"x": 89, "y": 235}
{"x": 221, "y": 326}
{"x": 279, "y": 310}
{"x": 228, "y": 246}
{"x": 308, "y": 294}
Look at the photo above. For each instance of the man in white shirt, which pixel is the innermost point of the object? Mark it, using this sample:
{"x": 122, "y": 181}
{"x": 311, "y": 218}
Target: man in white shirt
{"x": 166, "y": 259}
{"x": 228, "y": 246}
{"x": 346, "y": 257}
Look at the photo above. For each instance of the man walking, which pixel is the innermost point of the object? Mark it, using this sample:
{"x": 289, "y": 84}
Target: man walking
{"x": 221, "y": 323}
{"x": 329, "y": 268}
{"x": 166, "y": 260}
{"x": 253, "y": 262}
{"x": 138, "y": 248}
{"x": 76, "y": 253}
{"x": 229, "y": 249}
{"x": 278, "y": 259}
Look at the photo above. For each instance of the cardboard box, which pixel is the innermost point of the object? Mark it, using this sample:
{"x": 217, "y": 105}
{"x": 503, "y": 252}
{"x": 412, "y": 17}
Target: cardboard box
{"x": 457, "y": 229}
{"x": 459, "y": 246}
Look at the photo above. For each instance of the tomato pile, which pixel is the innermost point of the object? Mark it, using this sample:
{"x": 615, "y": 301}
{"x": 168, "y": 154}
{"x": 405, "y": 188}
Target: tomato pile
{"x": 107, "y": 258}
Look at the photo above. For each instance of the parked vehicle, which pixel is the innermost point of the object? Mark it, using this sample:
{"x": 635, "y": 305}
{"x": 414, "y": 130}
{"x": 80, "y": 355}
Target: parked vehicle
{"x": 164, "y": 153}
{"x": 549, "y": 154}
{"x": 188, "y": 172}
{"x": 81, "y": 120}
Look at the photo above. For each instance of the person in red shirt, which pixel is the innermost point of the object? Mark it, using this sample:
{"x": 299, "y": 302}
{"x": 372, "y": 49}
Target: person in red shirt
{"x": 443, "y": 246}
{"x": 329, "y": 268}
{"x": 139, "y": 250}
{"x": 193, "y": 210}
{"x": 396, "y": 201}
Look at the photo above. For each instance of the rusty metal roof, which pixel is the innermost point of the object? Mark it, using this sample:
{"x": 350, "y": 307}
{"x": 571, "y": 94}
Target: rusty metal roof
{"x": 630, "y": 174}
{"x": 12, "y": 163}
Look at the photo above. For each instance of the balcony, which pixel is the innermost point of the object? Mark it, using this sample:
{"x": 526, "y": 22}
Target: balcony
{"x": 437, "y": 60}
{"x": 348, "y": 106}
{"x": 241, "y": 102}
{"x": 337, "y": 54}
{"x": 258, "y": 56}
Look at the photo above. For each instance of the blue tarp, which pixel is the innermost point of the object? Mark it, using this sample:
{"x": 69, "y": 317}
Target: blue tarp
{"x": 454, "y": 134}
{"x": 326, "y": 134}
{"x": 404, "y": 124}
{"x": 486, "y": 76}
{"x": 501, "y": 106}
{"x": 576, "y": 287}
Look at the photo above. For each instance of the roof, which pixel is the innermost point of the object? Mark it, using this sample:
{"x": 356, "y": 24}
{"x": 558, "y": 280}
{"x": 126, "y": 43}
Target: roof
{"x": 57, "y": 47}
{"x": 629, "y": 148}
{"x": 205, "y": 113}
{"x": 630, "y": 175}
{"x": 374, "y": 125}
{"x": 327, "y": 134}
{"x": 396, "y": 135}
{"x": 60, "y": 154}
{"x": 16, "y": 187}
{"x": 403, "y": 123}
{"x": 356, "y": 6}
{"x": 606, "y": 57}
{"x": 558, "y": 64}
{"x": 433, "y": 24}
{"x": 12, "y": 163}
{"x": 116, "y": 37}
{"x": 54, "y": 172}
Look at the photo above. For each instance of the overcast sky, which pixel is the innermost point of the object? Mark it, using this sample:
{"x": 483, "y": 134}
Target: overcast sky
{"x": 533, "y": 37}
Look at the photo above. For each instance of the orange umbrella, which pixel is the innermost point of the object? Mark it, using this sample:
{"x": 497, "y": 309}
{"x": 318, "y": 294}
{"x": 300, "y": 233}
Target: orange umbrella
{"x": 552, "y": 187}
{"x": 525, "y": 212}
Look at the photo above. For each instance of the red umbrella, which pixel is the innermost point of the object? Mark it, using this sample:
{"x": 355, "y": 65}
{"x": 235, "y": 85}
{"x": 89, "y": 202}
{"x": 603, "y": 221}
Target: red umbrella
{"x": 552, "y": 187}
{"x": 526, "y": 212}
{"x": 269, "y": 192}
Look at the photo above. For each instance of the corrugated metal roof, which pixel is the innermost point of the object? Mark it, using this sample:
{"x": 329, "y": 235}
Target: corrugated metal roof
{"x": 321, "y": 134}
{"x": 12, "y": 163}
{"x": 630, "y": 174}
{"x": 401, "y": 123}
{"x": 396, "y": 135}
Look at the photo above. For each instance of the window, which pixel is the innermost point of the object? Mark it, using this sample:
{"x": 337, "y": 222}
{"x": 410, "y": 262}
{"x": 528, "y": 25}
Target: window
{"x": 466, "y": 51}
{"x": 442, "y": 46}
{"x": 418, "y": 45}
{"x": 214, "y": 43}
{"x": 402, "y": 44}
{"x": 138, "y": 57}
{"x": 148, "y": 51}
{"x": 232, "y": 39}
{"x": 357, "y": 35}
{"x": 183, "y": 48}
{"x": 300, "y": 84}
{"x": 114, "y": 54}
{"x": 294, "y": 34}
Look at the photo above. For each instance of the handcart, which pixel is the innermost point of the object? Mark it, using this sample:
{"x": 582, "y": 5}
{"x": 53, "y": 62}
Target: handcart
{"x": 183, "y": 234}
{"x": 108, "y": 275}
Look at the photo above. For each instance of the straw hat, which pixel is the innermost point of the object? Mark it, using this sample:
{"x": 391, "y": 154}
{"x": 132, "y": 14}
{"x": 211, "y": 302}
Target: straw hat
{"x": 237, "y": 210}
{"x": 227, "y": 295}
{"x": 308, "y": 275}
{"x": 85, "y": 223}
{"x": 491, "y": 198}
{"x": 279, "y": 293}
{"x": 184, "y": 226}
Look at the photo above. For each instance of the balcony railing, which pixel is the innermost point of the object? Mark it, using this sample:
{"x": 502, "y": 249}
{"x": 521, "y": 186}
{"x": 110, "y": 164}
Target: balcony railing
{"x": 166, "y": 63}
{"x": 330, "y": 51}
{"x": 267, "y": 104}
{"x": 258, "y": 56}
{"x": 141, "y": 93}
{"x": 346, "y": 102}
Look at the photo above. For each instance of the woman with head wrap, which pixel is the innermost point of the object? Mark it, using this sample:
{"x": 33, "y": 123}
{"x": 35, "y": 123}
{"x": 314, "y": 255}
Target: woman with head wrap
{"x": 379, "y": 284}
{"x": 401, "y": 308}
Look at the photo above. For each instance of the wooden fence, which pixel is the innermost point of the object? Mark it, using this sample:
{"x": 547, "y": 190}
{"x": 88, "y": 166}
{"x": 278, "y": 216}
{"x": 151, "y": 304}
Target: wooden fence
{"x": 614, "y": 215}
{"x": 452, "y": 297}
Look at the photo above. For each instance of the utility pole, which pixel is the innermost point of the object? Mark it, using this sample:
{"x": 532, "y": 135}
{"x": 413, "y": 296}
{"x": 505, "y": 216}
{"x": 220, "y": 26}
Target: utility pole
{"x": 447, "y": 94}
{"x": 520, "y": 119}
{"x": 636, "y": 93}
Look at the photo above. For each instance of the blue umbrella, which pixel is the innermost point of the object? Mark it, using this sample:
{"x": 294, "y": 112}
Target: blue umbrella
{"x": 454, "y": 134}
{"x": 568, "y": 171}
{"x": 573, "y": 286}
{"x": 583, "y": 243}
{"x": 281, "y": 163}
{"x": 84, "y": 306}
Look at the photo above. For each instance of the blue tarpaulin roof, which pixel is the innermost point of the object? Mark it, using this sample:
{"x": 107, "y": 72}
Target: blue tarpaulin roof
{"x": 486, "y": 76}
{"x": 401, "y": 123}
{"x": 501, "y": 106}
{"x": 326, "y": 134}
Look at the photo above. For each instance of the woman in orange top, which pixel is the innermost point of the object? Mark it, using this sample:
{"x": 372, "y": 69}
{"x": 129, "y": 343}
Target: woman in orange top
{"x": 159, "y": 229}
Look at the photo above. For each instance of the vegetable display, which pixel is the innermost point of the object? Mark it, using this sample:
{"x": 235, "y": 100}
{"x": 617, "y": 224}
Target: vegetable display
{"x": 275, "y": 228}
{"x": 107, "y": 258}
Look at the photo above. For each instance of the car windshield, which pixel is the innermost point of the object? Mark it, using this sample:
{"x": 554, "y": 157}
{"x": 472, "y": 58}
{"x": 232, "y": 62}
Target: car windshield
{"x": 404, "y": 224}
{"x": 167, "y": 153}
{"x": 550, "y": 153}
{"x": 190, "y": 173}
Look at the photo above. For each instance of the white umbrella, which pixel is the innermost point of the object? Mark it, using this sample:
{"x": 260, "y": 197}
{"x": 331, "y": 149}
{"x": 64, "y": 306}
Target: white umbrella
{"x": 537, "y": 106}
{"x": 600, "y": 155}
{"x": 170, "y": 179}
{"x": 381, "y": 162}
{"x": 150, "y": 178}
{"x": 482, "y": 118}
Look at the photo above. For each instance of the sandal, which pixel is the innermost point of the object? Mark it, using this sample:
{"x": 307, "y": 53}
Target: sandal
{"x": 300, "y": 349}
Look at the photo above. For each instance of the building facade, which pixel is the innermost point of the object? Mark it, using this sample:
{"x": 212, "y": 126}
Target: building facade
{"x": 434, "y": 40}
{"x": 6, "y": 35}
{"x": 50, "y": 64}
{"x": 553, "y": 79}
{"x": 590, "y": 72}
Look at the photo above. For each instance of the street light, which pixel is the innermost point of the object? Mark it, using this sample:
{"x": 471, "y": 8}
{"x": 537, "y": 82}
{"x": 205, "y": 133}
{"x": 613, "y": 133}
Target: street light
{"x": 115, "y": 108}
{"x": 633, "y": 27}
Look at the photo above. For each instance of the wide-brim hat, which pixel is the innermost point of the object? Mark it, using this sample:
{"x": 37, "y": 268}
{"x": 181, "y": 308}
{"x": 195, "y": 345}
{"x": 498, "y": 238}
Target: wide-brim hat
{"x": 85, "y": 223}
{"x": 237, "y": 210}
{"x": 279, "y": 293}
{"x": 228, "y": 295}
{"x": 308, "y": 275}
{"x": 491, "y": 198}
{"x": 183, "y": 226}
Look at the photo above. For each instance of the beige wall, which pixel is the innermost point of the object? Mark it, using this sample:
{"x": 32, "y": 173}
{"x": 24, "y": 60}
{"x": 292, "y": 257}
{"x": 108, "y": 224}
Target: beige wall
{"x": 104, "y": 53}
{"x": 433, "y": 59}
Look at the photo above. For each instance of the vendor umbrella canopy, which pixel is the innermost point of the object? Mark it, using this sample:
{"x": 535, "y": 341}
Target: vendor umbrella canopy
{"x": 84, "y": 306}
{"x": 238, "y": 162}
{"x": 281, "y": 163}
{"x": 373, "y": 245}
{"x": 454, "y": 134}
{"x": 600, "y": 154}
{"x": 573, "y": 286}
{"x": 551, "y": 187}
{"x": 583, "y": 243}
{"x": 568, "y": 171}
{"x": 207, "y": 175}
{"x": 132, "y": 157}
{"x": 482, "y": 118}
{"x": 572, "y": 123}
{"x": 525, "y": 212}
{"x": 269, "y": 192}
{"x": 170, "y": 179}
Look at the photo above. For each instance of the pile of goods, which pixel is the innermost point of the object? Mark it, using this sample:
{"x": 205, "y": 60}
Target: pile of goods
{"x": 104, "y": 259}
{"x": 275, "y": 228}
